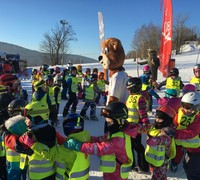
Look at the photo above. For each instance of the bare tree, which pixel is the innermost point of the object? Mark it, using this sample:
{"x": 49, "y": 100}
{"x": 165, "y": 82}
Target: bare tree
{"x": 148, "y": 36}
{"x": 56, "y": 42}
{"x": 179, "y": 31}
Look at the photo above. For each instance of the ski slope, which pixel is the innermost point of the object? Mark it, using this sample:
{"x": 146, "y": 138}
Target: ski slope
{"x": 184, "y": 62}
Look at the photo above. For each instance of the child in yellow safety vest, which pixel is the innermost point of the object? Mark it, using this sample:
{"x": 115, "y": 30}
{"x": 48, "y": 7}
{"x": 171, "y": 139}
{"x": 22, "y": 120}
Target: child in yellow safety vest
{"x": 101, "y": 83}
{"x": 90, "y": 91}
{"x": 137, "y": 114}
{"x": 114, "y": 147}
{"x": 160, "y": 146}
{"x": 172, "y": 82}
{"x": 69, "y": 164}
{"x": 196, "y": 78}
{"x": 187, "y": 135}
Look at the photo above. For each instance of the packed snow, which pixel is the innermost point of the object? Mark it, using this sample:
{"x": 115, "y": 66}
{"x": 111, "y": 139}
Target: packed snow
{"x": 184, "y": 62}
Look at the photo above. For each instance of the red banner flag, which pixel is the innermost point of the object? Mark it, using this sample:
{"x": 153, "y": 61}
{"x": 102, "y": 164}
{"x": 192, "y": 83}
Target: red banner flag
{"x": 166, "y": 39}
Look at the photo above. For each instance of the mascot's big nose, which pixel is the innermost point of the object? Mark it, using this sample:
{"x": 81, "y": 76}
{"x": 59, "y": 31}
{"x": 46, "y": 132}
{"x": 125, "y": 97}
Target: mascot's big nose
{"x": 100, "y": 58}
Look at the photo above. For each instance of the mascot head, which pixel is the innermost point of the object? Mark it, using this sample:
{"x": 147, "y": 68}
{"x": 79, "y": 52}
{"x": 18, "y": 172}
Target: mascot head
{"x": 113, "y": 55}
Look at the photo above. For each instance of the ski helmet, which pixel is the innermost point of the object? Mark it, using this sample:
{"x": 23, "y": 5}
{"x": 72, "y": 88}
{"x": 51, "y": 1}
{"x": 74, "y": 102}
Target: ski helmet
{"x": 191, "y": 100}
{"x": 170, "y": 93}
{"x": 196, "y": 69}
{"x": 57, "y": 69}
{"x": 45, "y": 67}
{"x": 87, "y": 70}
{"x": 73, "y": 123}
{"x": 115, "y": 110}
{"x": 189, "y": 88}
{"x": 94, "y": 70}
{"x": 174, "y": 72}
{"x": 134, "y": 84}
{"x": 93, "y": 77}
{"x": 16, "y": 107}
{"x": 146, "y": 69}
{"x": 35, "y": 109}
{"x": 167, "y": 114}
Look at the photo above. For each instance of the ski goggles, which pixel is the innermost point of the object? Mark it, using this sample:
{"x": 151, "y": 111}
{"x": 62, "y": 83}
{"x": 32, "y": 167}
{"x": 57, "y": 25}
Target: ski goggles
{"x": 187, "y": 106}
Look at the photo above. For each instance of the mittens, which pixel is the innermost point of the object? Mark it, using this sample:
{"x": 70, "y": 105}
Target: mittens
{"x": 73, "y": 144}
{"x": 168, "y": 131}
{"x": 27, "y": 139}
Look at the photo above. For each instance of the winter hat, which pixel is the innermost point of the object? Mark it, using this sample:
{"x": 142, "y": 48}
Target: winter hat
{"x": 162, "y": 115}
{"x": 36, "y": 120}
{"x": 16, "y": 125}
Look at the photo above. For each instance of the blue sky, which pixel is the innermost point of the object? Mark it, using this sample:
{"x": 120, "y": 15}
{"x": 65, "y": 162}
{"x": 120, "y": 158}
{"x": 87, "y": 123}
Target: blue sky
{"x": 24, "y": 22}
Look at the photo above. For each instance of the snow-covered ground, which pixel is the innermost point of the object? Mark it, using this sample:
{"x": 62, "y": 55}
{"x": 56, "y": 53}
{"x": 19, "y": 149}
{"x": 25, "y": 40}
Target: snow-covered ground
{"x": 184, "y": 62}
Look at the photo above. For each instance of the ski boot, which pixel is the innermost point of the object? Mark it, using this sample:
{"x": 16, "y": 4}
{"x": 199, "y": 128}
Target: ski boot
{"x": 173, "y": 167}
{"x": 94, "y": 118}
{"x": 85, "y": 117}
{"x": 65, "y": 112}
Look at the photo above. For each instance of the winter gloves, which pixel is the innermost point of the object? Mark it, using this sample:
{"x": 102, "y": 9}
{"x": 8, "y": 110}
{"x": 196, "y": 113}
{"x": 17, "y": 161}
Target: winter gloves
{"x": 27, "y": 139}
{"x": 73, "y": 144}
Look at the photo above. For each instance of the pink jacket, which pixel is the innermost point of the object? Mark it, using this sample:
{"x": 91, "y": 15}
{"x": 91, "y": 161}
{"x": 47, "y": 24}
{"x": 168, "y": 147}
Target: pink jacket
{"x": 102, "y": 146}
{"x": 174, "y": 102}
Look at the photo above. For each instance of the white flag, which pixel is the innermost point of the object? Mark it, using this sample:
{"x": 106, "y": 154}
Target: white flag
{"x": 101, "y": 26}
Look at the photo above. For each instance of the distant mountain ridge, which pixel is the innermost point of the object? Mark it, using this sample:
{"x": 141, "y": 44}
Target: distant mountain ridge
{"x": 35, "y": 58}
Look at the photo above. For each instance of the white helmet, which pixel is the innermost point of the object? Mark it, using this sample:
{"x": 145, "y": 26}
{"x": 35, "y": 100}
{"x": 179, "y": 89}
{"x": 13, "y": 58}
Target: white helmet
{"x": 192, "y": 98}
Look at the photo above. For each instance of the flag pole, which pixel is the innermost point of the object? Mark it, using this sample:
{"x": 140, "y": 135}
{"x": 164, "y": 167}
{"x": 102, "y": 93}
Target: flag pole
{"x": 102, "y": 38}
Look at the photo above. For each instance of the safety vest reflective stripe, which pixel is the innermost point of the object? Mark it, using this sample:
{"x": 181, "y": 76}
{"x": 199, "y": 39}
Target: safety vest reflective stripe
{"x": 59, "y": 177}
{"x": 39, "y": 162}
{"x": 153, "y": 156}
{"x": 126, "y": 169}
{"x": 60, "y": 170}
{"x": 12, "y": 156}
{"x": 40, "y": 169}
{"x": 189, "y": 143}
{"x": 80, "y": 174}
{"x": 133, "y": 113}
{"x": 107, "y": 163}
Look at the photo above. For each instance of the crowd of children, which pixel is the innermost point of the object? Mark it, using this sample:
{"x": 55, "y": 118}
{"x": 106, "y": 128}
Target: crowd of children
{"x": 29, "y": 140}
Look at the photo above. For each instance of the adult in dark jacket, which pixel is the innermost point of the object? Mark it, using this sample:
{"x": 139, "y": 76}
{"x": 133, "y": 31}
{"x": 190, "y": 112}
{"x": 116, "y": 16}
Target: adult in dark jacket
{"x": 154, "y": 64}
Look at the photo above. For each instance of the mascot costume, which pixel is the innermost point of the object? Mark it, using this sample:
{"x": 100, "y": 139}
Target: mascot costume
{"x": 112, "y": 58}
